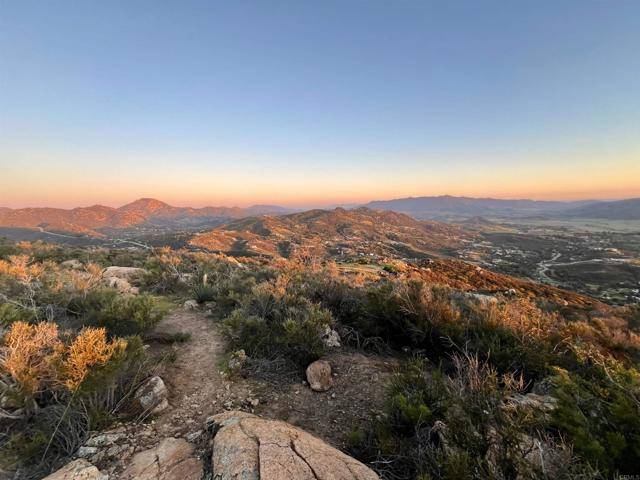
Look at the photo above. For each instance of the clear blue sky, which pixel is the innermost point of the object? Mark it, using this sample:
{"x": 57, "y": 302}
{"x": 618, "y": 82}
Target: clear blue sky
{"x": 305, "y": 102}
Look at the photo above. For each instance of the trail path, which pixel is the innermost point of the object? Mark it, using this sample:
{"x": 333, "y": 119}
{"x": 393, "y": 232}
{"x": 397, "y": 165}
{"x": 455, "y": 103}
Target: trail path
{"x": 197, "y": 389}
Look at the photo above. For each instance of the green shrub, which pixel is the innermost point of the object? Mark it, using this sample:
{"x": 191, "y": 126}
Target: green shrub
{"x": 10, "y": 313}
{"x": 204, "y": 293}
{"x": 268, "y": 325}
{"x": 599, "y": 412}
{"x": 387, "y": 267}
{"x": 120, "y": 314}
{"x": 440, "y": 426}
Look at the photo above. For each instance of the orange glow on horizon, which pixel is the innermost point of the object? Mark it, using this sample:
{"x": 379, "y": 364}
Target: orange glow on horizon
{"x": 74, "y": 184}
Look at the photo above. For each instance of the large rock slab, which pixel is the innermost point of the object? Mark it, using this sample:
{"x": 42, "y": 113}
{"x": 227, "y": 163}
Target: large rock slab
{"x": 251, "y": 448}
{"x": 171, "y": 459}
{"x": 77, "y": 470}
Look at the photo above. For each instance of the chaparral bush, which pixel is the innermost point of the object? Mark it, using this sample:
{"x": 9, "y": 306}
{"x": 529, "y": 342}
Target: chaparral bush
{"x": 55, "y": 386}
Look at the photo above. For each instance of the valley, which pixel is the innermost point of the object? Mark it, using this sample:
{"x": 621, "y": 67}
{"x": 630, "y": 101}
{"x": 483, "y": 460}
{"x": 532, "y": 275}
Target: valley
{"x": 603, "y": 264}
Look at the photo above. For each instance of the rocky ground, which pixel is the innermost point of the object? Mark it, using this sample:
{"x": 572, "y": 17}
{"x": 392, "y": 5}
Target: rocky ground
{"x": 194, "y": 385}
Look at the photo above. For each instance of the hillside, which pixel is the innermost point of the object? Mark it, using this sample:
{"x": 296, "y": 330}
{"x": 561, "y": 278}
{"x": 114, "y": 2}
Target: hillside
{"x": 339, "y": 232}
{"x": 90, "y": 220}
{"x": 465, "y": 276}
{"x": 466, "y": 207}
{"x": 377, "y": 236}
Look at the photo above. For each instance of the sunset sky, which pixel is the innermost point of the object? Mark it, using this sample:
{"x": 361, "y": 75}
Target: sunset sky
{"x": 306, "y": 103}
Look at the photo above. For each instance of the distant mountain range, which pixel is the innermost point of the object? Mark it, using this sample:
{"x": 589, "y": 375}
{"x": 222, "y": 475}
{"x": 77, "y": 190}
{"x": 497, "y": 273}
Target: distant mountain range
{"x": 93, "y": 221}
{"x": 448, "y": 207}
{"x": 98, "y": 220}
{"x": 619, "y": 210}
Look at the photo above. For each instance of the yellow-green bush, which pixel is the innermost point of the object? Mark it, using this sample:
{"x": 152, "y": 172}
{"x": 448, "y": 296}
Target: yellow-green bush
{"x": 56, "y": 386}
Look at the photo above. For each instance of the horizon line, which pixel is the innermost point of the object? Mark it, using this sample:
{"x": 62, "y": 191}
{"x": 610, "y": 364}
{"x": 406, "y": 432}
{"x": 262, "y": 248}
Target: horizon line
{"x": 327, "y": 205}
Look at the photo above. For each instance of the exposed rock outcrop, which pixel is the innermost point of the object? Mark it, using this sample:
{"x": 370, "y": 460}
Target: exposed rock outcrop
{"x": 121, "y": 278}
{"x": 481, "y": 299}
{"x": 126, "y": 273}
{"x": 171, "y": 459}
{"x": 319, "y": 376}
{"x": 545, "y": 403}
{"x": 77, "y": 470}
{"x": 251, "y": 448}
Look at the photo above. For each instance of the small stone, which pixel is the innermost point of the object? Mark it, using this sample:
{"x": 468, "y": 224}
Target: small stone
{"x": 152, "y": 396}
{"x": 237, "y": 361}
{"x": 190, "y": 305}
{"x": 86, "y": 452}
{"x": 330, "y": 337}
{"x": 319, "y": 376}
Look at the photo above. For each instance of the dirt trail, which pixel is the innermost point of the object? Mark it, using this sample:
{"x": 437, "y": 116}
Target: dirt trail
{"x": 196, "y": 387}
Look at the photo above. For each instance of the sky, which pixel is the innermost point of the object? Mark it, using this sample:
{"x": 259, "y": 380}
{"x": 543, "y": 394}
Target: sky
{"x": 306, "y": 103}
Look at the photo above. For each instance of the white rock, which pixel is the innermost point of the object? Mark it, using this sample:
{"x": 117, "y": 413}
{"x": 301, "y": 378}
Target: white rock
{"x": 126, "y": 273}
{"x": 120, "y": 284}
{"x": 190, "y": 305}
{"x": 152, "y": 395}
{"x": 86, "y": 452}
{"x": 73, "y": 264}
{"x": 330, "y": 337}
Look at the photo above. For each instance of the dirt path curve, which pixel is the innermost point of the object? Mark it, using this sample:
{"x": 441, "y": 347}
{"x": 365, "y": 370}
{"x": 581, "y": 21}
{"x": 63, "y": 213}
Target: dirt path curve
{"x": 196, "y": 387}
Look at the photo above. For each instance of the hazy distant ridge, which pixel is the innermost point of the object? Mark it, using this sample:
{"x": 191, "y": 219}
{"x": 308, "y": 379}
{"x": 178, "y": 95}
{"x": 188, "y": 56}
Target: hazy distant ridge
{"x": 450, "y": 206}
{"x": 619, "y": 210}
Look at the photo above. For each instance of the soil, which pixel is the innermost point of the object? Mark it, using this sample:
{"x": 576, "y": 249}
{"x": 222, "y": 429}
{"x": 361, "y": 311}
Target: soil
{"x": 199, "y": 387}
{"x": 359, "y": 391}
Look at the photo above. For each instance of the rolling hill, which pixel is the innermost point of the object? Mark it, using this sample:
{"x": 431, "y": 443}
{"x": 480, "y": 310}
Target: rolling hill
{"x": 338, "y": 232}
{"x": 362, "y": 240}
